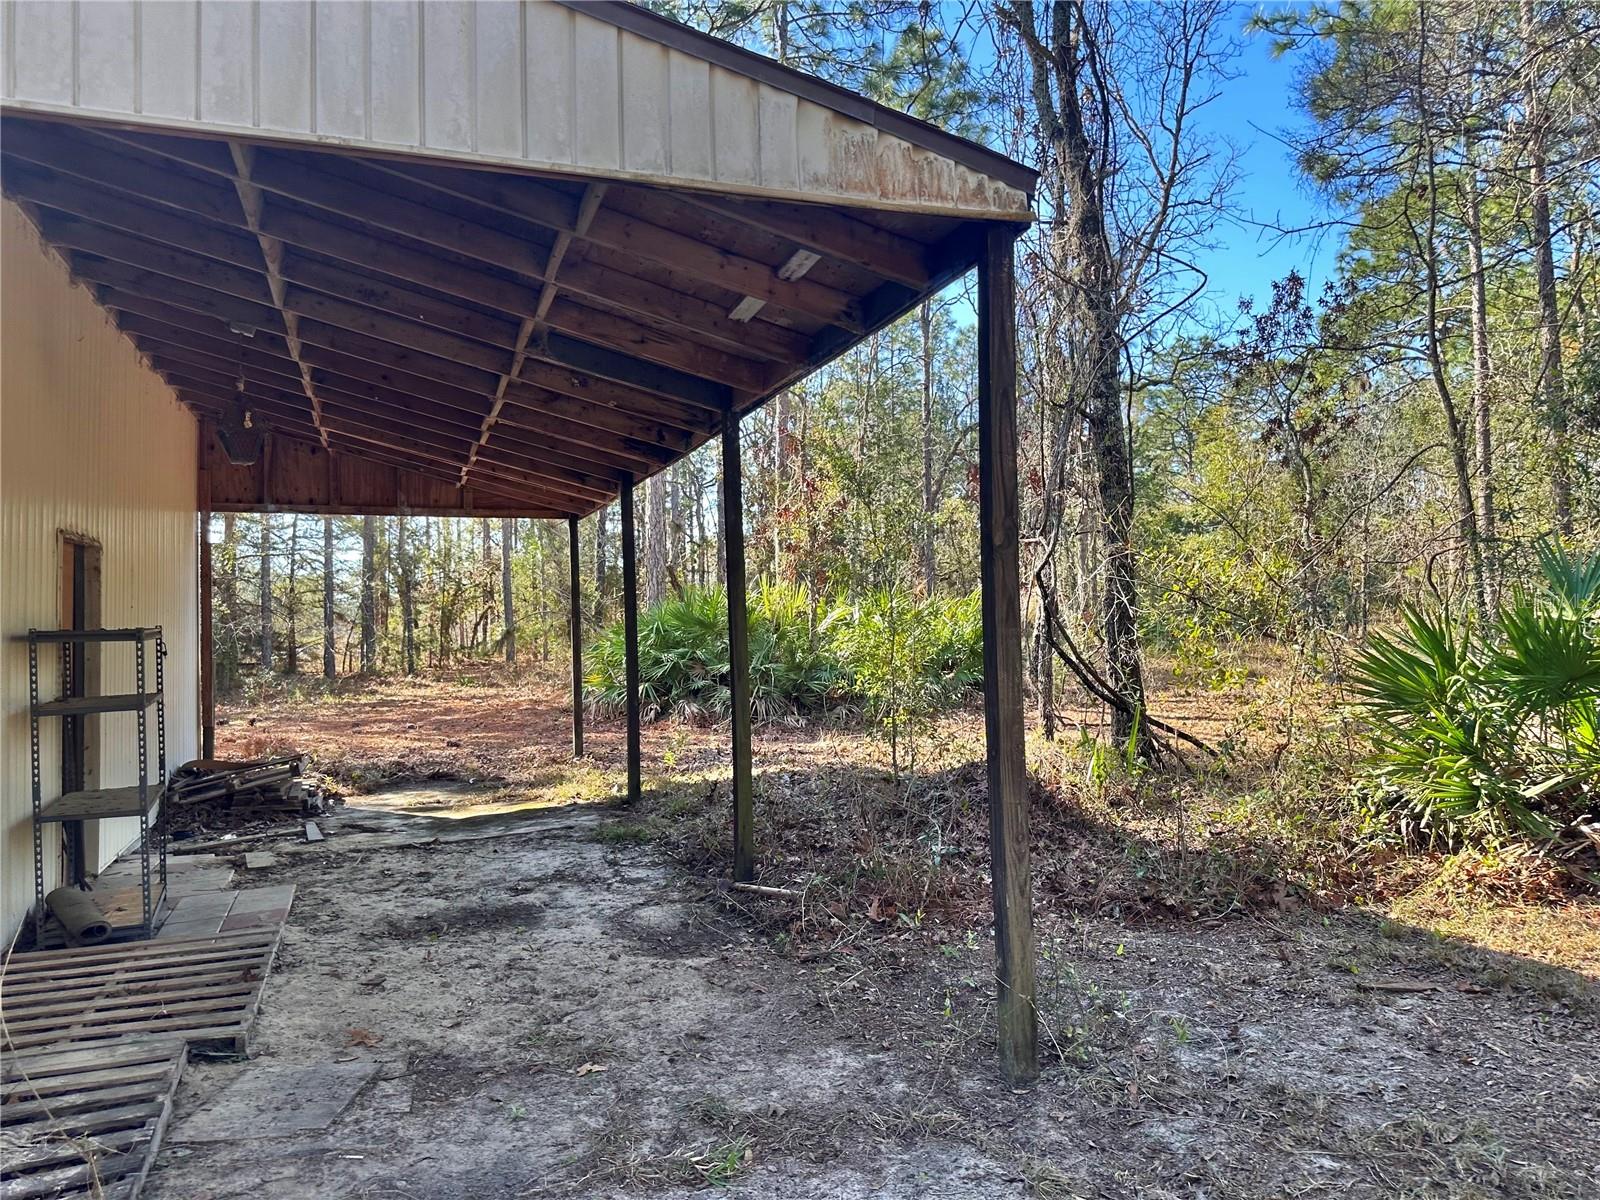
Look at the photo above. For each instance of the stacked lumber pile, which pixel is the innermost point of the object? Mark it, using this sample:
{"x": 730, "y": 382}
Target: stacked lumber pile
{"x": 218, "y": 792}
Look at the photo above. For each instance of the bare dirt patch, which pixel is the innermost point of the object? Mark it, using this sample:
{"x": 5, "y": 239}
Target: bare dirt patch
{"x": 565, "y": 1011}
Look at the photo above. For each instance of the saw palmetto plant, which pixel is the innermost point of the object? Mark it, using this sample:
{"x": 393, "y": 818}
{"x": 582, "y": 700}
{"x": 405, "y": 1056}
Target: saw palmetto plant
{"x": 1481, "y": 733}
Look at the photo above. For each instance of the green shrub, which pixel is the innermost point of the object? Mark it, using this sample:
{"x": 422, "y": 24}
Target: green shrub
{"x": 889, "y": 654}
{"x": 684, "y": 662}
{"x": 1481, "y": 734}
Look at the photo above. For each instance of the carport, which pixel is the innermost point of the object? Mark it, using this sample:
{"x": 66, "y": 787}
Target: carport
{"x": 509, "y": 259}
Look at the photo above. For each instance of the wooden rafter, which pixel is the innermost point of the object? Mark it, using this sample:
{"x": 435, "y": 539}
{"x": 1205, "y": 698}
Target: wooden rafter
{"x": 534, "y": 320}
{"x": 272, "y": 257}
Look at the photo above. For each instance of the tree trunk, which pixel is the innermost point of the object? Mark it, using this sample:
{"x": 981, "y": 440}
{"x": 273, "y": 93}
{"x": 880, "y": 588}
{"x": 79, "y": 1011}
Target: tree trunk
{"x": 228, "y": 666}
{"x": 369, "y": 612}
{"x": 408, "y": 611}
{"x": 266, "y": 592}
{"x": 655, "y": 540}
{"x": 1552, "y": 387}
{"x": 1483, "y": 428}
{"x": 507, "y": 532}
{"x": 328, "y": 665}
{"x": 291, "y": 663}
{"x": 1427, "y": 248}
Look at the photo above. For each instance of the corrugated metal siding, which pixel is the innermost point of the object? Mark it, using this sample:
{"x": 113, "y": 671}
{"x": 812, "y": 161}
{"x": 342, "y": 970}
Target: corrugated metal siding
{"x": 508, "y": 82}
{"x": 93, "y": 444}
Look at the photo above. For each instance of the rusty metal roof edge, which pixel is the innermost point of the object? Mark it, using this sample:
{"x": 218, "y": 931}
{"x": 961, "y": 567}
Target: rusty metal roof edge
{"x": 636, "y": 19}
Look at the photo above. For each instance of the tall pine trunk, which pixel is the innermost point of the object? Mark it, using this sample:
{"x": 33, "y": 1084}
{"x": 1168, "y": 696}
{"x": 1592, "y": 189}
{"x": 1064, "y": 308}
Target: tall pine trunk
{"x": 507, "y": 531}
{"x": 1552, "y": 386}
{"x": 291, "y": 661}
{"x": 369, "y": 599}
{"x": 655, "y": 540}
{"x": 328, "y": 666}
{"x": 265, "y": 602}
{"x": 1482, "y": 411}
{"x": 408, "y": 610}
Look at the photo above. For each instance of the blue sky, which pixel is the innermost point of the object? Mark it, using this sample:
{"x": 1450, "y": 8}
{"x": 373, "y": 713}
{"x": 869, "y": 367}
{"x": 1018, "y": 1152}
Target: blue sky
{"x": 1254, "y": 112}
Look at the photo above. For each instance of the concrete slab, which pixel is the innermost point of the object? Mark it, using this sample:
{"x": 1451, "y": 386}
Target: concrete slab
{"x": 277, "y": 1100}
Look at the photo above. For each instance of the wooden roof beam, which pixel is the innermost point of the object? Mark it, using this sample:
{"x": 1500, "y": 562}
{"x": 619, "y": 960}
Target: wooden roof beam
{"x": 541, "y": 205}
{"x": 828, "y": 232}
{"x": 234, "y": 314}
{"x": 590, "y": 359}
{"x": 592, "y": 197}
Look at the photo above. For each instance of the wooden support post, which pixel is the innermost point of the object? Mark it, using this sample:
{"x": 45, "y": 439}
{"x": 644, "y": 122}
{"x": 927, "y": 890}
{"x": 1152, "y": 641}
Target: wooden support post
{"x": 208, "y": 683}
{"x": 575, "y": 603}
{"x": 744, "y": 834}
{"x": 630, "y": 637}
{"x": 1002, "y": 657}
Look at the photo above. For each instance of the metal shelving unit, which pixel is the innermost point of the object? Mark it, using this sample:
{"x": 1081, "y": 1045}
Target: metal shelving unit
{"x": 142, "y": 799}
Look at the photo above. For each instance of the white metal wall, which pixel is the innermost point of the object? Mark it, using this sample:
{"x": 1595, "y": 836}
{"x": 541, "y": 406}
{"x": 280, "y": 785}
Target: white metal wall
{"x": 91, "y": 443}
{"x": 525, "y": 83}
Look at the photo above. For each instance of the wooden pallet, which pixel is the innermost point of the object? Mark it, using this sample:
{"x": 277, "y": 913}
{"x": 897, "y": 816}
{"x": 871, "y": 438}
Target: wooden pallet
{"x": 85, "y": 1122}
{"x": 203, "y": 989}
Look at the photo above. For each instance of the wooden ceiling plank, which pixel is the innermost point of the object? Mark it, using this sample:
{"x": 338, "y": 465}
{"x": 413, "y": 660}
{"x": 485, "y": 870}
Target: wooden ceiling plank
{"x": 184, "y": 321}
{"x": 384, "y": 353}
{"x": 72, "y": 233}
{"x": 364, "y": 289}
{"x": 401, "y": 332}
{"x": 231, "y": 311}
{"x": 148, "y": 330}
{"x": 526, "y": 398}
{"x": 378, "y": 253}
{"x": 541, "y": 205}
{"x": 828, "y": 232}
{"x": 244, "y": 158}
{"x": 102, "y": 166}
{"x": 646, "y": 342}
{"x": 592, "y": 197}
{"x": 606, "y": 394}
{"x": 62, "y": 194}
{"x": 287, "y": 176}
{"x": 587, "y": 358}
{"x": 229, "y": 368}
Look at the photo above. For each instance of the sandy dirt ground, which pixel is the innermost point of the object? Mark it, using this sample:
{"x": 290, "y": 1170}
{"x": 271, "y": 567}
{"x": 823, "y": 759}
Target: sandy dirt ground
{"x": 554, "y": 1012}
{"x": 539, "y": 1001}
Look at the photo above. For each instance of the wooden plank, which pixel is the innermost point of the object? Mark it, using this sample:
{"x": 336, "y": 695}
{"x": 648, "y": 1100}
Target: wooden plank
{"x": 630, "y": 639}
{"x": 744, "y": 868}
{"x": 207, "y": 302}
{"x": 828, "y": 232}
{"x": 245, "y": 283}
{"x": 602, "y": 393}
{"x": 541, "y": 205}
{"x": 104, "y": 207}
{"x": 272, "y": 257}
{"x": 292, "y": 176}
{"x": 579, "y": 355}
{"x": 100, "y": 164}
{"x": 1002, "y": 658}
{"x": 575, "y": 623}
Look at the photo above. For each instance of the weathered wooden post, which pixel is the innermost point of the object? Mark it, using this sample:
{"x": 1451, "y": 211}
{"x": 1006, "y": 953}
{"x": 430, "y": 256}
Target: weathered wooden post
{"x": 744, "y": 834}
{"x": 208, "y": 662}
{"x": 1002, "y": 656}
{"x": 630, "y": 637}
{"x": 575, "y": 616}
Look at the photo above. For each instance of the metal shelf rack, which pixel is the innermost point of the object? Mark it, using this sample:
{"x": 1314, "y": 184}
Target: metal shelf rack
{"x": 142, "y": 799}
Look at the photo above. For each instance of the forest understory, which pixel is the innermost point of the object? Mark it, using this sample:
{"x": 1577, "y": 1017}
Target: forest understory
{"x": 1240, "y": 994}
